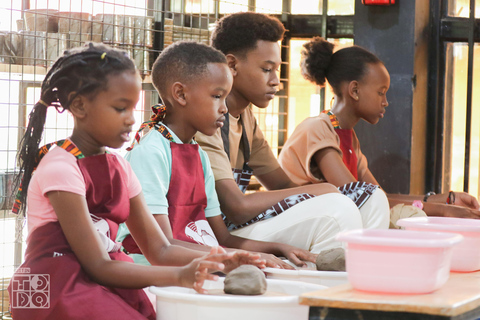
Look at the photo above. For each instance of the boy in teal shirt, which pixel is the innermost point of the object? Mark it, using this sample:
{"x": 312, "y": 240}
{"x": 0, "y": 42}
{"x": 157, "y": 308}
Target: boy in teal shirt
{"x": 193, "y": 81}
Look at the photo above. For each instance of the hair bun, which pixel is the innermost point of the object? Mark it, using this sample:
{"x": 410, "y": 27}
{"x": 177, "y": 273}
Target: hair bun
{"x": 316, "y": 56}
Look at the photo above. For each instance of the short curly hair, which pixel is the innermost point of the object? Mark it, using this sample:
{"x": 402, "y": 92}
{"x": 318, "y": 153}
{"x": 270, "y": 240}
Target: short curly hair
{"x": 239, "y": 32}
{"x": 183, "y": 61}
{"x": 319, "y": 62}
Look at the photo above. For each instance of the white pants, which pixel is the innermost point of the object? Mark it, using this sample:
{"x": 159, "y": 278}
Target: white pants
{"x": 311, "y": 225}
{"x": 375, "y": 211}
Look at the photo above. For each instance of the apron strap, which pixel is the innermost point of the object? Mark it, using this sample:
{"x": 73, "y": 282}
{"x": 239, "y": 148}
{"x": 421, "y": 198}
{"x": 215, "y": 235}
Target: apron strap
{"x": 226, "y": 142}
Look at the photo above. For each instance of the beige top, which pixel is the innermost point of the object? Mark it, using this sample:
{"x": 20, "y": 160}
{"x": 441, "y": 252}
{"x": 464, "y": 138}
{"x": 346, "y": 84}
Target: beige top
{"x": 310, "y": 136}
{"x": 262, "y": 160}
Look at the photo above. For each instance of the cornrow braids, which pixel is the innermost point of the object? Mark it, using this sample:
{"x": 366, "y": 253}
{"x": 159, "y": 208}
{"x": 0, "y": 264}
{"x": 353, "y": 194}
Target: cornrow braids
{"x": 80, "y": 71}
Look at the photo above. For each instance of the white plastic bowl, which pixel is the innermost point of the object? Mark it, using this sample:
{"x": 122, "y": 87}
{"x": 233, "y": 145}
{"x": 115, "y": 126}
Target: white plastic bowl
{"x": 398, "y": 261}
{"x": 324, "y": 278}
{"x": 466, "y": 256}
{"x": 176, "y": 303}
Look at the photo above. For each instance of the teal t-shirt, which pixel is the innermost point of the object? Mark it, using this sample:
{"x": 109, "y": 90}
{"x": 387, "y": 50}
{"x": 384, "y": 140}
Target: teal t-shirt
{"x": 151, "y": 160}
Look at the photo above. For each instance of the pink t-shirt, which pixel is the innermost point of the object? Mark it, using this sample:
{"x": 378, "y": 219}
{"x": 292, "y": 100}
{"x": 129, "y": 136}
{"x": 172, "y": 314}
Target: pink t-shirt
{"x": 58, "y": 171}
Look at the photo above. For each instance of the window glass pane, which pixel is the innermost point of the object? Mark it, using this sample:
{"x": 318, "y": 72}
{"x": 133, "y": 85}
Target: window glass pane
{"x": 9, "y": 105}
{"x": 335, "y": 7}
{"x": 307, "y": 7}
{"x": 10, "y": 11}
{"x": 200, "y": 6}
{"x": 269, "y": 6}
{"x": 304, "y": 96}
{"x": 231, "y": 6}
{"x": 461, "y": 8}
{"x": 455, "y": 118}
{"x": 130, "y": 7}
{"x": 341, "y": 7}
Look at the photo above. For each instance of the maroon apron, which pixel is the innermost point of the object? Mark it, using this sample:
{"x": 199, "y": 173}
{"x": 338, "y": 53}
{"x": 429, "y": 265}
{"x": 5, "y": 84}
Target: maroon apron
{"x": 349, "y": 156}
{"x": 186, "y": 198}
{"x": 71, "y": 293}
{"x": 358, "y": 191}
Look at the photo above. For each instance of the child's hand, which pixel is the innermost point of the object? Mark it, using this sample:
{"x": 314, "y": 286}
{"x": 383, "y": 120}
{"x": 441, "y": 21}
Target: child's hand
{"x": 275, "y": 262}
{"x": 297, "y": 256}
{"x": 239, "y": 257}
{"x": 196, "y": 272}
{"x": 448, "y": 210}
{"x": 466, "y": 200}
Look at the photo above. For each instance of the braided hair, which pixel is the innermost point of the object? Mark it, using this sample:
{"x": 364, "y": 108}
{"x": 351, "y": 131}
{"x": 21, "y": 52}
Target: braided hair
{"x": 80, "y": 71}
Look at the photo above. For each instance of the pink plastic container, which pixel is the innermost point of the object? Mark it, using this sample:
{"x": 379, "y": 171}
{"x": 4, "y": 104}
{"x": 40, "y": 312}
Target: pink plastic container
{"x": 466, "y": 256}
{"x": 398, "y": 261}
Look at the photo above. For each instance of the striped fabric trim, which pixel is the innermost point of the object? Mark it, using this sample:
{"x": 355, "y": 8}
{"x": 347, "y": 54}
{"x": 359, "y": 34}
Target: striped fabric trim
{"x": 333, "y": 119}
{"x": 271, "y": 212}
{"x": 67, "y": 145}
{"x": 358, "y": 192}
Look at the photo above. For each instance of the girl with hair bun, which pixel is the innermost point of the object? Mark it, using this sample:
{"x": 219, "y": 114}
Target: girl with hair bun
{"x": 325, "y": 148}
{"x": 77, "y": 193}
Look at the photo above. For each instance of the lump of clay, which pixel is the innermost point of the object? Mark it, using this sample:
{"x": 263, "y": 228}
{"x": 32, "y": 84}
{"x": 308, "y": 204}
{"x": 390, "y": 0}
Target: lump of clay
{"x": 245, "y": 280}
{"x": 331, "y": 260}
{"x": 401, "y": 211}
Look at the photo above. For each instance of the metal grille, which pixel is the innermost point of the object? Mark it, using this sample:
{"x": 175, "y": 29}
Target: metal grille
{"x": 34, "y": 33}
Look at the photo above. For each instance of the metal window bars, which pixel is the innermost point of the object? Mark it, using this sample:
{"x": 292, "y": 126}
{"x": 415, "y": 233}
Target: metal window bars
{"x": 33, "y": 33}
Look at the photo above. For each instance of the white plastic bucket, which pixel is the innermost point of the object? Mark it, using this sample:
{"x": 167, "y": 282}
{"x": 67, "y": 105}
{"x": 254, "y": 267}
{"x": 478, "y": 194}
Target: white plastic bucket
{"x": 324, "y": 278}
{"x": 176, "y": 303}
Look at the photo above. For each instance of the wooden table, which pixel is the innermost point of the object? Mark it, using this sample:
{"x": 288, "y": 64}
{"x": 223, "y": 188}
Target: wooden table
{"x": 458, "y": 299}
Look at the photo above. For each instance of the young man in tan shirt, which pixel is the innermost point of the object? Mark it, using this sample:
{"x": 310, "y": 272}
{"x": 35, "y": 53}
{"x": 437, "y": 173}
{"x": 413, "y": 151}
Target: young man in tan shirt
{"x": 309, "y": 216}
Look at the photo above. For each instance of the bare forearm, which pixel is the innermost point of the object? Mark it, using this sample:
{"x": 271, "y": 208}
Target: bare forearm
{"x": 404, "y": 198}
{"x": 122, "y": 274}
{"x": 434, "y": 208}
{"x": 175, "y": 255}
{"x": 189, "y": 245}
{"x": 430, "y": 208}
{"x": 253, "y": 245}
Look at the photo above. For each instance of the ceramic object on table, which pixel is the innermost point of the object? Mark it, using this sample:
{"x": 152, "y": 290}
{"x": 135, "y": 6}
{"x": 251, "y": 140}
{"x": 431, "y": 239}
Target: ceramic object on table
{"x": 142, "y": 31}
{"x": 74, "y": 22}
{"x": 41, "y": 20}
{"x": 31, "y": 48}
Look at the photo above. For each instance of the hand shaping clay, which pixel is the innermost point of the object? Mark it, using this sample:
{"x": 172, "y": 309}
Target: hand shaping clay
{"x": 245, "y": 280}
{"x": 331, "y": 260}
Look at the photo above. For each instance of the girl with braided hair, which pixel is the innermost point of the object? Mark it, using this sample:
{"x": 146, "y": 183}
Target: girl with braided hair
{"x": 78, "y": 195}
